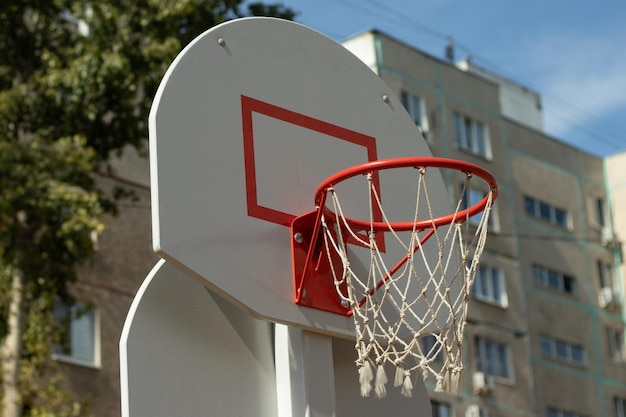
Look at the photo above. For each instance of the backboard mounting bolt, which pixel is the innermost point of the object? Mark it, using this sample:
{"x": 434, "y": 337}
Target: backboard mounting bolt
{"x": 344, "y": 303}
{"x": 385, "y": 98}
{"x": 298, "y": 237}
{"x": 221, "y": 42}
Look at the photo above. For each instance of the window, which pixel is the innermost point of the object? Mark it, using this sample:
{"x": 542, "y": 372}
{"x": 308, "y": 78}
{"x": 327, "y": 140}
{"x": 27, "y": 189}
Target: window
{"x": 440, "y": 409}
{"x": 473, "y": 196}
{"x": 80, "y": 345}
{"x": 547, "y": 212}
{"x": 564, "y": 351}
{"x": 620, "y": 406}
{"x": 472, "y": 136}
{"x": 555, "y": 412}
{"x": 493, "y": 358}
{"x": 617, "y": 350}
{"x": 554, "y": 280}
{"x": 489, "y": 286}
{"x": 416, "y": 107}
{"x": 432, "y": 348}
{"x": 605, "y": 274}
{"x": 600, "y": 212}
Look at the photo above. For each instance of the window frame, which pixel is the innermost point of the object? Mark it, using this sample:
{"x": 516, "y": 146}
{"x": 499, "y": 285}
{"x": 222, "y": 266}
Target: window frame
{"x": 600, "y": 212}
{"x": 504, "y": 364}
{"x": 555, "y": 345}
{"x": 490, "y": 274}
{"x": 77, "y": 314}
{"x": 547, "y": 212}
{"x": 419, "y": 115}
{"x": 606, "y": 274}
{"x": 472, "y": 136}
{"x": 617, "y": 345}
{"x": 472, "y": 196}
{"x": 548, "y": 273}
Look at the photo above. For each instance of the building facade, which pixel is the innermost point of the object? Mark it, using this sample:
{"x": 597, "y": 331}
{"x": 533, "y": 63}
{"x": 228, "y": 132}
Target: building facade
{"x": 546, "y": 323}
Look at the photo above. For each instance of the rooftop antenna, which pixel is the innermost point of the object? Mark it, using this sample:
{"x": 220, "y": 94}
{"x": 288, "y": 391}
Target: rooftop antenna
{"x": 450, "y": 50}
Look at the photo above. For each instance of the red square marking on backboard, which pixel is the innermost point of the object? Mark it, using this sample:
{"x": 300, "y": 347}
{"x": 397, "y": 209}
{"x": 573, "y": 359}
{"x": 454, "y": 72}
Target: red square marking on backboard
{"x": 250, "y": 106}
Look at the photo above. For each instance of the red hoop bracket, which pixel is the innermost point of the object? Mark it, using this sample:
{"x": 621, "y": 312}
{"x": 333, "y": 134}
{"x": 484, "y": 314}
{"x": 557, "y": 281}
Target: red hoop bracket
{"x": 313, "y": 272}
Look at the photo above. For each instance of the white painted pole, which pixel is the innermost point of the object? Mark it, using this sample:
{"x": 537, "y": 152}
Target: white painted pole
{"x": 305, "y": 384}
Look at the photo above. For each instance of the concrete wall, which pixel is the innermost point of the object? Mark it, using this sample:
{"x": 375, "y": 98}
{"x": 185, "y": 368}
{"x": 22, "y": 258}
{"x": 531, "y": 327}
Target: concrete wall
{"x": 516, "y": 101}
{"x": 527, "y": 162}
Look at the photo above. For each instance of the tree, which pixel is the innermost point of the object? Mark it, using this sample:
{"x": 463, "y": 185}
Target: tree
{"x": 49, "y": 215}
{"x": 76, "y": 85}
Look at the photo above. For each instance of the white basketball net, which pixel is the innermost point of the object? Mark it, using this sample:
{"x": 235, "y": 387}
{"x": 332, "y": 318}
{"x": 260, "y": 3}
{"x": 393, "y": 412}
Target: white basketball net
{"x": 443, "y": 318}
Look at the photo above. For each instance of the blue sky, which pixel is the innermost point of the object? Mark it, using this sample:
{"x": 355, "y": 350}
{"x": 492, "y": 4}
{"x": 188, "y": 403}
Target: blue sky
{"x": 572, "y": 52}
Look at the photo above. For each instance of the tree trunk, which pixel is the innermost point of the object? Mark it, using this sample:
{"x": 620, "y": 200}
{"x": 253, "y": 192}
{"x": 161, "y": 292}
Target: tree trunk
{"x": 12, "y": 348}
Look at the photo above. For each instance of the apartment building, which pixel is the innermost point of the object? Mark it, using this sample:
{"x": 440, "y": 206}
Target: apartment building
{"x": 546, "y": 325}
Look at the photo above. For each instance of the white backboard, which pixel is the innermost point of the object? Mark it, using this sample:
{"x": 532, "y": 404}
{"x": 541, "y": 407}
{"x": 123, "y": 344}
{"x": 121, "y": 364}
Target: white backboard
{"x": 186, "y": 352}
{"x": 248, "y": 121}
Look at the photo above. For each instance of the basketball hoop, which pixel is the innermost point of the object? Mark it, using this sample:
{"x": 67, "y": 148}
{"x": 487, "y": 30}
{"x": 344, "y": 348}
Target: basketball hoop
{"x": 424, "y": 294}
